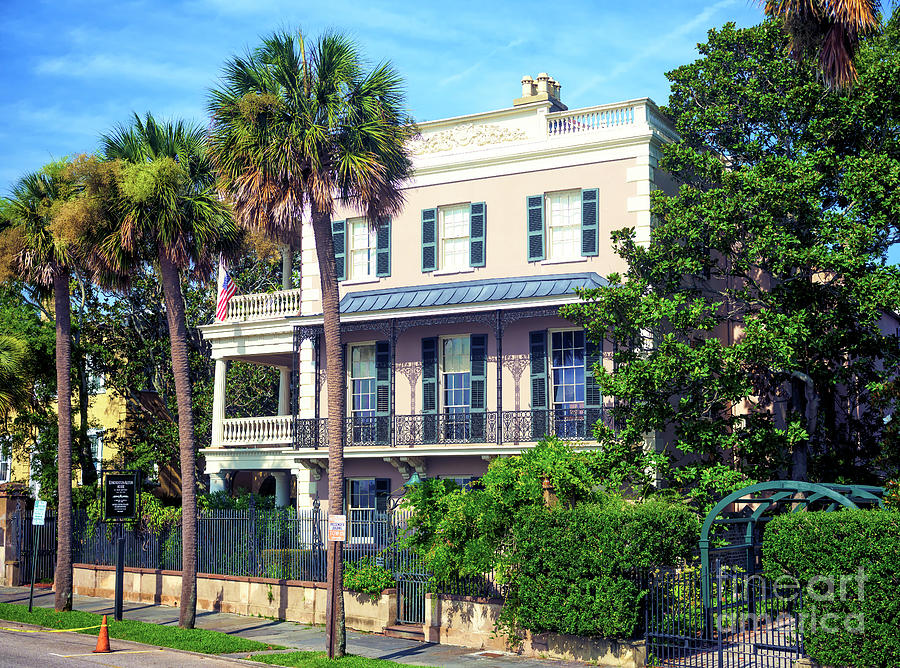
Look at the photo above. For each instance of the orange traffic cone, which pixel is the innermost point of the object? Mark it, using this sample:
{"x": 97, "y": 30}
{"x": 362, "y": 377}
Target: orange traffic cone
{"x": 103, "y": 639}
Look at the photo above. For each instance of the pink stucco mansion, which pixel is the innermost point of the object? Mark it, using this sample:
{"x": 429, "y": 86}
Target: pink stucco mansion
{"x": 454, "y": 351}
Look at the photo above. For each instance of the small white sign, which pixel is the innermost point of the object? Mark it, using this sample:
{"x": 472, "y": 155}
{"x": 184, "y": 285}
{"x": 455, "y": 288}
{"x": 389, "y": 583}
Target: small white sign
{"x": 40, "y": 512}
{"x": 337, "y": 528}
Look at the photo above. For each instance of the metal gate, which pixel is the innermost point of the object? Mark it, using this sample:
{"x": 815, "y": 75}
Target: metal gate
{"x": 746, "y": 623}
{"x": 412, "y": 583}
{"x": 46, "y": 546}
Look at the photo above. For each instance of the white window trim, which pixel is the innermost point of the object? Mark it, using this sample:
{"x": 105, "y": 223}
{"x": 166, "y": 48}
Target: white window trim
{"x": 451, "y": 272}
{"x": 551, "y": 393}
{"x": 440, "y": 381}
{"x": 440, "y": 269}
{"x": 370, "y": 277}
{"x": 349, "y": 381}
{"x": 577, "y": 256}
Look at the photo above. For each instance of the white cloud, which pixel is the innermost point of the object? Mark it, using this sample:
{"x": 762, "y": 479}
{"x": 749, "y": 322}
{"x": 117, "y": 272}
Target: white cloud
{"x": 108, "y": 66}
{"x": 657, "y": 46}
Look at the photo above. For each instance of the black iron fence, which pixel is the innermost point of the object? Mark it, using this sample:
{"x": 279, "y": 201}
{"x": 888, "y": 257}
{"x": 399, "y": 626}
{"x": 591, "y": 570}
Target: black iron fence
{"x": 24, "y": 546}
{"x": 574, "y": 424}
{"x": 726, "y": 617}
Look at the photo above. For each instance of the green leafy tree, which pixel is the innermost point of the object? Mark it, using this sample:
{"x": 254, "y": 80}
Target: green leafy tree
{"x": 293, "y": 131}
{"x": 42, "y": 246}
{"x": 169, "y": 214}
{"x": 748, "y": 328}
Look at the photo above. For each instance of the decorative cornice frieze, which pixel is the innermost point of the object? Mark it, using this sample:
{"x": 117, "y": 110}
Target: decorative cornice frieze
{"x": 466, "y": 134}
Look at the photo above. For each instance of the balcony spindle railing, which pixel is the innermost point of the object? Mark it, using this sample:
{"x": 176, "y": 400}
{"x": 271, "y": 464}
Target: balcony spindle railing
{"x": 263, "y": 305}
{"x": 507, "y": 427}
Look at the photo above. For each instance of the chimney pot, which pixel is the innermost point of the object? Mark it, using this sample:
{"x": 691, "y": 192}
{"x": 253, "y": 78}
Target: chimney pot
{"x": 527, "y": 86}
{"x": 543, "y": 79}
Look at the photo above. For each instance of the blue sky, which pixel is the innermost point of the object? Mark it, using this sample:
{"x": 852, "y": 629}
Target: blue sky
{"x": 73, "y": 69}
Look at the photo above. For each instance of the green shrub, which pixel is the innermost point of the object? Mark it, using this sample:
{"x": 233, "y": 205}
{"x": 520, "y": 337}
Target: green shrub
{"x": 576, "y": 569}
{"x": 817, "y": 548}
{"x": 366, "y": 577}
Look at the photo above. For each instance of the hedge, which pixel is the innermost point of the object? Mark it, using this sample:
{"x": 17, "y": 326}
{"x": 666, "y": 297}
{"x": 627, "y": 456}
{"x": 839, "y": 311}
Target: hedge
{"x": 578, "y": 569}
{"x": 842, "y": 627}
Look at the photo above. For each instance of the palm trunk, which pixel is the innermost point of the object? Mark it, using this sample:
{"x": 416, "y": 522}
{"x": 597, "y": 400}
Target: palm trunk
{"x": 335, "y": 631}
{"x": 62, "y": 581}
{"x": 171, "y": 283}
{"x": 85, "y": 455}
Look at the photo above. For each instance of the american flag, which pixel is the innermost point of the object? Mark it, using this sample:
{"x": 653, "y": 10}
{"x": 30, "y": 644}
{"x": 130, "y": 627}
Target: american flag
{"x": 226, "y": 291}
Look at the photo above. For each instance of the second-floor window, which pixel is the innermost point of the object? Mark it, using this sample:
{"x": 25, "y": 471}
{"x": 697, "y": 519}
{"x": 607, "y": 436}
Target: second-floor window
{"x": 362, "y": 240}
{"x": 563, "y": 225}
{"x": 453, "y": 226}
{"x": 453, "y": 237}
{"x": 563, "y": 211}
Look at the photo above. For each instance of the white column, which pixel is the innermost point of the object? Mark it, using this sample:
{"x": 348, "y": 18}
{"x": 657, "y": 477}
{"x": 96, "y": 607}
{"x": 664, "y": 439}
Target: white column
{"x": 218, "y": 416}
{"x": 282, "y": 489}
{"x": 284, "y": 391}
{"x": 217, "y": 482}
{"x": 286, "y": 268}
{"x": 306, "y": 487}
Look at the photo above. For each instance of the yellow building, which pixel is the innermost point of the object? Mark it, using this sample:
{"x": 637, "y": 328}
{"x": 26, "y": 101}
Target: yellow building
{"x": 106, "y": 410}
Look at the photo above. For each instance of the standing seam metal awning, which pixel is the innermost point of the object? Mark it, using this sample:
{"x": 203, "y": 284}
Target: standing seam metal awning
{"x": 469, "y": 292}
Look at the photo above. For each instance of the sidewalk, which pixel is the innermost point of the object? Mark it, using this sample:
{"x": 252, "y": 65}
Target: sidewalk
{"x": 297, "y": 636}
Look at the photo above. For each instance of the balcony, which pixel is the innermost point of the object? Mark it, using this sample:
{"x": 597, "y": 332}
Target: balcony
{"x": 408, "y": 431}
{"x": 263, "y": 306}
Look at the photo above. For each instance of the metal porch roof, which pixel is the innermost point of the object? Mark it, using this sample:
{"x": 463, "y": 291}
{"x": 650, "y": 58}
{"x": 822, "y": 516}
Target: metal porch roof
{"x": 469, "y": 292}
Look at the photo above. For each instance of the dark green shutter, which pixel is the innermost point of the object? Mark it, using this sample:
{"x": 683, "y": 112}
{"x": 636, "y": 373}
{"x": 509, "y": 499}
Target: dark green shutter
{"x": 589, "y": 221}
{"x": 429, "y": 388}
{"x": 382, "y": 495}
{"x": 477, "y": 233}
{"x": 340, "y": 248}
{"x": 537, "y": 348}
{"x": 593, "y": 398}
{"x": 383, "y": 391}
{"x": 429, "y": 239}
{"x": 535, "y": 227}
{"x": 478, "y": 386}
{"x": 383, "y": 248}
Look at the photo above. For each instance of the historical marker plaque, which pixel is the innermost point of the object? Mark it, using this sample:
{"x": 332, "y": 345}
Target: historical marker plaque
{"x": 120, "y": 496}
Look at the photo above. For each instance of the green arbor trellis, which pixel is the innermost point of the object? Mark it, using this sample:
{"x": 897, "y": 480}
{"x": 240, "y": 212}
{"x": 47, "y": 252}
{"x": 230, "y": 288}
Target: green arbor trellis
{"x": 764, "y": 497}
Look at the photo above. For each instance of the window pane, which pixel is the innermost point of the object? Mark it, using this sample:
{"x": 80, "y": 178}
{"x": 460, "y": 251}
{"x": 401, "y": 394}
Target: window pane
{"x": 361, "y": 247}
{"x": 454, "y": 237}
{"x": 564, "y": 224}
{"x": 567, "y": 375}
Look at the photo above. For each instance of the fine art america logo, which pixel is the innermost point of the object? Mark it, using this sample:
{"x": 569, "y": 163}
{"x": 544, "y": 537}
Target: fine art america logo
{"x": 753, "y": 602}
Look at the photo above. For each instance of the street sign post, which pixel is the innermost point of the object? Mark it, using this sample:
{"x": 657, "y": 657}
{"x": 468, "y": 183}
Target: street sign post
{"x": 37, "y": 520}
{"x": 337, "y": 528}
{"x": 120, "y": 503}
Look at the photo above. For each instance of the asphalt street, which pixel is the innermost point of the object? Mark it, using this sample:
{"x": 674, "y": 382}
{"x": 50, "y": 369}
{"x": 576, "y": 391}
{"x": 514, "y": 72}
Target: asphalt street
{"x": 26, "y": 648}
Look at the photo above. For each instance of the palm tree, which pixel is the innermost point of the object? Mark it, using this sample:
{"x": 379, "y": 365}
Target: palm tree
{"x": 292, "y": 132}
{"x": 832, "y": 29}
{"x": 169, "y": 213}
{"x": 13, "y": 387}
{"x": 37, "y": 250}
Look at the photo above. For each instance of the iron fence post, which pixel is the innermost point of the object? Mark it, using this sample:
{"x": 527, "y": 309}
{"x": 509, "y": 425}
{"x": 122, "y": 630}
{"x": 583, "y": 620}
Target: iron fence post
{"x": 719, "y": 642}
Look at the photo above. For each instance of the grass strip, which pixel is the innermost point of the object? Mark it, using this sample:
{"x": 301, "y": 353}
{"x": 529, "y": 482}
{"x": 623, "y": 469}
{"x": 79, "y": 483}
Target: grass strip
{"x": 320, "y": 660}
{"x": 194, "y": 640}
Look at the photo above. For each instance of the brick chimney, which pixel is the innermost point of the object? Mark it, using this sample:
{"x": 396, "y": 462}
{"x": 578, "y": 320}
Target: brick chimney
{"x": 544, "y": 88}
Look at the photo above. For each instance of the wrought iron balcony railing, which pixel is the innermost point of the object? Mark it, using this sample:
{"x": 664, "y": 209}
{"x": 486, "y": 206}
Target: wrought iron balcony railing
{"x": 572, "y": 424}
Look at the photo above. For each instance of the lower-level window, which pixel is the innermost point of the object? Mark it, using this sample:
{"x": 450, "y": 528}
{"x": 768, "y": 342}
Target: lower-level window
{"x": 366, "y": 500}
{"x": 462, "y": 481}
{"x": 5, "y": 462}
